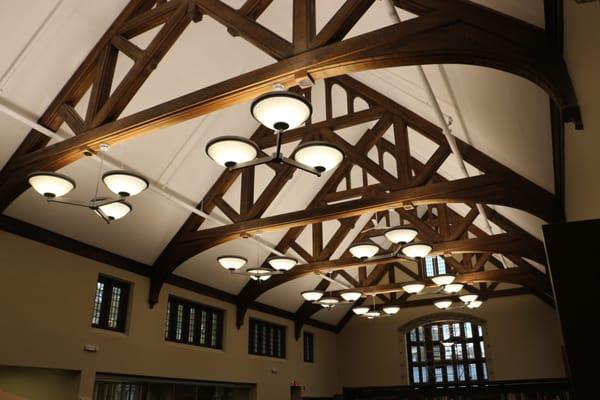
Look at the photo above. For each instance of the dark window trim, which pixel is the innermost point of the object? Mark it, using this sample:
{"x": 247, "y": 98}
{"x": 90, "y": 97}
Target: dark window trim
{"x": 309, "y": 347}
{"x": 173, "y": 304}
{"x": 266, "y": 347}
{"x": 109, "y": 284}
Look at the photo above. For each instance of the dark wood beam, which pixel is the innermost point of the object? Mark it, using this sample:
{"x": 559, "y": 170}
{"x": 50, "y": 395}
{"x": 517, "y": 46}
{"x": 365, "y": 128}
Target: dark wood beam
{"x": 342, "y": 22}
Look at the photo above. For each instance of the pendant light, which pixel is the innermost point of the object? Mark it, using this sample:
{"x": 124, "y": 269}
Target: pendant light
{"x": 351, "y": 295}
{"x": 229, "y": 151}
{"x": 363, "y": 250}
{"x": 259, "y": 273}
{"x": 391, "y": 310}
{"x": 232, "y": 263}
{"x": 443, "y": 304}
{"x": 360, "y": 310}
{"x": 51, "y": 184}
{"x": 475, "y": 304}
{"x": 453, "y": 287}
{"x": 312, "y": 295}
{"x": 400, "y": 234}
{"x": 54, "y": 186}
{"x": 321, "y": 156}
{"x": 281, "y": 109}
{"x": 282, "y": 263}
{"x": 413, "y": 287}
{"x": 443, "y": 280}
{"x": 417, "y": 250}
{"x": 468, "y": 298}
{"x": 372, "y": 314}
{"x": 329, "y": 301}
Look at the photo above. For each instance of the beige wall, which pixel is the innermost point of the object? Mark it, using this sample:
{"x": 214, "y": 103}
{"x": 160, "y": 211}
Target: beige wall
{"x": 582, "y": 150}
{"x": 522, "y": 339}
{"x": 46, "y": 298}
{"x": 39, "y": 383}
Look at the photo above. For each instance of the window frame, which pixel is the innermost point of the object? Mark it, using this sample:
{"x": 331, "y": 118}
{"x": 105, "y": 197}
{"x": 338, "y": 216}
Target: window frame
{"x": 435, "y": 261}
{"x": 429, "y": 362}
{"x": 308, "y": 340}
{"x": 171, "y": 330}
{"x": 109, "y": 283}
{"x": 262, "y": 325}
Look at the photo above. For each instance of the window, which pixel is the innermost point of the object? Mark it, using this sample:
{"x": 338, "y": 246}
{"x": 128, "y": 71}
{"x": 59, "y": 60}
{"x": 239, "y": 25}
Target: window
{"x": 193, "y": 323}
{"x": 110, "y": 304}
{"x": 434, "y": 266}
{"x": 446, "y": 352}
{"x": 266, "y": 339}
{"x": 309, "y": 347}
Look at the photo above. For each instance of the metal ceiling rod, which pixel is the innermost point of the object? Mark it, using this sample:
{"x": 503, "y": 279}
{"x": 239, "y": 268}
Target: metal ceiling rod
{"x": 155, "y": 186}
{"x": 443, "y": 122}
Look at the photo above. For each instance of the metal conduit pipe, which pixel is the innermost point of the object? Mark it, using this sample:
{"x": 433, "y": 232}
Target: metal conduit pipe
{"x": 155, "y": 186}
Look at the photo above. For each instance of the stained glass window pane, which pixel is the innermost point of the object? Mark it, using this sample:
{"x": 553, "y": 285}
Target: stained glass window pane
{"x": 450, "y": 373}
{"x": 414, "y": 353}
{"x": 416, "y": 377}
{"x": 441, "y": 265}
{"x": 434, "y": 333}
{"x": 473, "y": 372}
{"x": 439, "y": 375}
{"x": 468, "y": 330}
{"x": 470, "y": 350}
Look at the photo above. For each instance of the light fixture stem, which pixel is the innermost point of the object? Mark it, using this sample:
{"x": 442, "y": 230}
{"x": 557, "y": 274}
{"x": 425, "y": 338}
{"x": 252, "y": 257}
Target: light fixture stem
{"x": 102, "y": 151}
{"x": 278, "y": 148}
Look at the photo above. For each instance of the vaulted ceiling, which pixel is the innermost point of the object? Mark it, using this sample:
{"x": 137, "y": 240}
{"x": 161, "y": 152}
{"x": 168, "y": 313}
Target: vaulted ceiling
{"x": 159, "y": 79}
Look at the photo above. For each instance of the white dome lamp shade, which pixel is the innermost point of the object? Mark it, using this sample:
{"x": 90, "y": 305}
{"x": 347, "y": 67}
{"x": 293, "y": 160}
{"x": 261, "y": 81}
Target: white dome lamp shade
{"x": 468, "y": 298}
{"x": 329, "y": 300}
{"x": 351, "y": 295}
{"x": 232, "y": 263}
{"x": 372, "y": 314}
{"x": 360, "y": 310}
{"x": 363, "y": 250}
{"x": 391, "y": 310}
{"x": 228, "y": 151}
{"x": 280, "y": 109}
{"x": 413, "y": 287}
{"x": 259, "y": 273}
{"x": 453, "y": 288}
{"x": 443, "y": 304}
{"x": 312, "y": 295}
{"x": 322, "y": 156}
{"x": 51, "y": 184}
{"x": 417, "y": 250}
{"x": 400, "y": 234}
{"x": 475, "y": 304}
{"x": 443, "y": 280}
{"x": 124, "y": 183}
{"x": 115, "y": 210}
{"x": 282, "y": 263}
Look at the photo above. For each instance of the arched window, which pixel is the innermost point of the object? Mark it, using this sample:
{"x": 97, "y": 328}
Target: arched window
{"x": 446, "y": 351}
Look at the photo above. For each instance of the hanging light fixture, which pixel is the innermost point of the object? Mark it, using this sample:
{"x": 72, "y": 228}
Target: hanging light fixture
{"x": 453, "y": 287}
{"x": 351, "y": 295}
{"x": 468, "y": 298}
{"x": 400, "y": 234}
{"x": 443, "y": 280}
{"x": 282, "y": 263}
{"x": 475, "y": 304}
{"x": 413, "y": 287}
{"x": 312, "y": 295}
{"x": 229, "y": 151}
{"x": 232, "y": 263}
{"x": 372, "y": 314}
{"x": 54, "y": 186}
{"x": 328, "y": 301}
{"x": 417, "y": 250}
{"x": 259, "y": 273}
{"x": 363, "y": 250}
{"x": 360, "y": 310}
{"x": 443, "y": 304}
{"x": 391, "y": 310}
{"x": 281, "y": 109}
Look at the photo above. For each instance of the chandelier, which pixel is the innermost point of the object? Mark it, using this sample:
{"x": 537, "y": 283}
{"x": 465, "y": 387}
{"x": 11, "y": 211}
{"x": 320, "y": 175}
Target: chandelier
{"x": 279, "y": 110}
{"x": 329, "y": 300}
{"x": 277, "y": 265}
{"x": 124, "y": 184}
{"x": 373, "y": 312}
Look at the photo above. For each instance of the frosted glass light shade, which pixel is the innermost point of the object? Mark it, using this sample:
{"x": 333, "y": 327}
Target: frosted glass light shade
{"x": 416, "y": 250}
{"x": 453, "y": 288}
{"x": 475, "y": 304}
{"x": 363, "y": 250}
{"x": 115, "y": 210}
{"x": 281, "y": 110}
{"x": 312, "y": 295}
{"x": 372, "y": 314}
{"x": 261, "y": 278}
{"x": 401, "y": 234}
{"x": 360, "y": 310}
{"x": 330, "y": 300}
{"x": 259, "y": 273}
{"x": 322, "y": 156}
{"x": 228, "y": 151}
{"x": 468, "y": 298}
{"x": 232, "y": 263}
{"x": 391, "y": 310}
{"x": 281, "y": 263}
{"x": 351, "y": 295}
{"x": 443, "y": 304}
{"x": 51, "y": 184}
{"x": 443, "y": 280}
{"x": 413, "y": 287}
{"x": 124, "y": 183}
